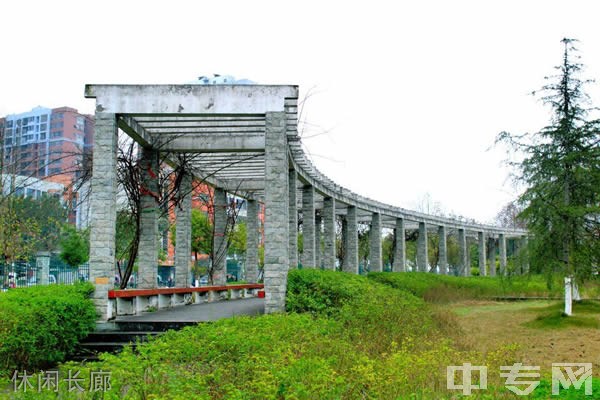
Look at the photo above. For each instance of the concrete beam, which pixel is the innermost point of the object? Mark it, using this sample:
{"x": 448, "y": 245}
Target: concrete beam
{"x": 190, "y": 99}
{"x": 210, "y": 143}
{"x": 135, "y": 131}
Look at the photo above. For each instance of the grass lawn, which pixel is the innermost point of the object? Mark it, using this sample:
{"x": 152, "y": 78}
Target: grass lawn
{"x": 542, "y": 334}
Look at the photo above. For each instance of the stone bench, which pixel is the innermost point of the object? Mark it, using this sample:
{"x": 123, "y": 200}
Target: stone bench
{"x": 136, "y": 301}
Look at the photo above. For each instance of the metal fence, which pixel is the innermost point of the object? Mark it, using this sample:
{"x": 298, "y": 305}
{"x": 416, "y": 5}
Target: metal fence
{"x": 30, "y": 273}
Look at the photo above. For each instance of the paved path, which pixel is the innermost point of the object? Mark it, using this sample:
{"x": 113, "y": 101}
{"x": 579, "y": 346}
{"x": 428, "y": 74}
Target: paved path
{"x": 202, "y": 312}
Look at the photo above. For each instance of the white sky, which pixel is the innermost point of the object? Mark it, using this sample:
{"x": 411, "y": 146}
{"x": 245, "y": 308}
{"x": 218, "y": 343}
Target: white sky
{"x": 410, "y": 94}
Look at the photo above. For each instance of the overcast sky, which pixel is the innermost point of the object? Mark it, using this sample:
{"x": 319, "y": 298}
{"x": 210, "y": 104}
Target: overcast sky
{"x": 406, "y": 97}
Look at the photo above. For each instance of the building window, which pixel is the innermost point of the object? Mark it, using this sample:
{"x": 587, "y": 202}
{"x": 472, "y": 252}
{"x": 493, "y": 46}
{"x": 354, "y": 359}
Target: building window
{"x": 55, "y": 134}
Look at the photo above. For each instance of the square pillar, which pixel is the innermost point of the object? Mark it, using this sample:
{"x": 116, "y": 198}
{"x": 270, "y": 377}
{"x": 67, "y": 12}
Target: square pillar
{"x": 149, "y": 195}
{"x": 276, "y": 212}
{"x": 351, "y": 242}
{"x": 422, "y": 253}
{"x": 318, "y": 250}
{"x": 252, "y": 234}
{"x": 375, "y": 252}
{"x": 524, "y": 254}
{"x": 293, "y": 217}
{"x": 502, "y": 244}
{"x": 492, "y": 255}
{"x": 443, "y": 250}
{"x": 482, "y": 255}
{"x": 399, "y": 264}
{"x": 219, "y": 262}
{"x": 329, "y": 233}
{"x": 183, "y": 233}
{"x": 308, "y": 227}
{"x": 463, "y": 262}
{"x": 103, "y": 213}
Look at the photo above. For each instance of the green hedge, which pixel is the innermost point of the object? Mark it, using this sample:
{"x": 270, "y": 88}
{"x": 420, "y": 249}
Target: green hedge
{"x": 443, "y": 288}
{"x": 40, "y": 325}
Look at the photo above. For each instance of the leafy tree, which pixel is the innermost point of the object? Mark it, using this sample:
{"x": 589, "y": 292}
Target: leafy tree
{"x": 50, "y": 215}
{"x": 238, "y": 239}
{"x": 18, "y": 233}
{"x": 387, "y": 249}
{"x": 75, "y": 245}
{"x": 561, "y": 172}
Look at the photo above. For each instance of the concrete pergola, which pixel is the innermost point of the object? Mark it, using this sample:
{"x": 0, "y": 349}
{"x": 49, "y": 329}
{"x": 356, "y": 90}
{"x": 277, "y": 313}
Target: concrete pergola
{"x": 245, "y": 139}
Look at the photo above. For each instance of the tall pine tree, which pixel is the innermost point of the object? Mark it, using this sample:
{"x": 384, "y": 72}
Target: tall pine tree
{"x": 561, "y": 171}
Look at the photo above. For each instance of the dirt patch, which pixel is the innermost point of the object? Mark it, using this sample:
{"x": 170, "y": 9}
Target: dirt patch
{"x": 489, "y": 325}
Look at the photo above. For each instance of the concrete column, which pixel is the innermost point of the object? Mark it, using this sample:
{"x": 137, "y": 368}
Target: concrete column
{"x": 103, "y": 213}
{"x": 492, "y": 256}
{"x": 329, "y": 233}
{"x": 183, "y": 229}
{"x": 308, "y": 227}
{"x": 351, "y": 243}
{"x": 252, "y": 234}
{"x": 277, "y": 223}
{"x": 524, "y": 254}
{"x": 399, "y": 247}
{"x": 443, "y": 250}
{"x": 463, "y": 263}
{"x": 502, "y": 244}
{"x": 149, "y": 190}
{"x": 293, "y": 213}
{"x": 42, "y": 264}
{"x": 219, "y": 275}
{"x": 422, "y": 253}
{"x": 344, "y": 238}
{"x": 482, "y": 255}
{"x": 318, "y": 250}
{"x": 375, "y": 251}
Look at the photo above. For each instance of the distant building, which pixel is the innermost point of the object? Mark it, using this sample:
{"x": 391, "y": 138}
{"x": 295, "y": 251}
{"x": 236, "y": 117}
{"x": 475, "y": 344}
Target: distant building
{"x": 47, "y": 144}
{"x": 217, "y": 79}
{"x": 27, "y": 186}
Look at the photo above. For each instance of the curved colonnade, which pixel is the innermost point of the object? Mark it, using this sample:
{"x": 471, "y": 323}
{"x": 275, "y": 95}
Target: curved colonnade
{"x": 243, "y": 139}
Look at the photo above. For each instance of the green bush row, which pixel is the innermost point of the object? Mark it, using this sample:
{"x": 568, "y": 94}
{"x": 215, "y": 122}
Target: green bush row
{"x": 444, "y": 288}
{"x": 344, "y": 337}
{"x": 40, "y": 325}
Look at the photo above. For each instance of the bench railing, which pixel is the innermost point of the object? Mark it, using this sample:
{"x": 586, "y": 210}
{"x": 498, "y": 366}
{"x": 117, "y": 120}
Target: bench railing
{"x": 136, "y": 301}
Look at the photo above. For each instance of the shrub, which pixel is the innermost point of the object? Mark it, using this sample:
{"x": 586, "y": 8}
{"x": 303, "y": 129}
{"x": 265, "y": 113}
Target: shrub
{"x": 40, "y": 325}
{"x": 444, "y": 288}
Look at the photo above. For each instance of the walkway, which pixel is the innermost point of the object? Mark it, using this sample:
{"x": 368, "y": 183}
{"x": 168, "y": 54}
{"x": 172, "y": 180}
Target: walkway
{"x": 205, "y": 312}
